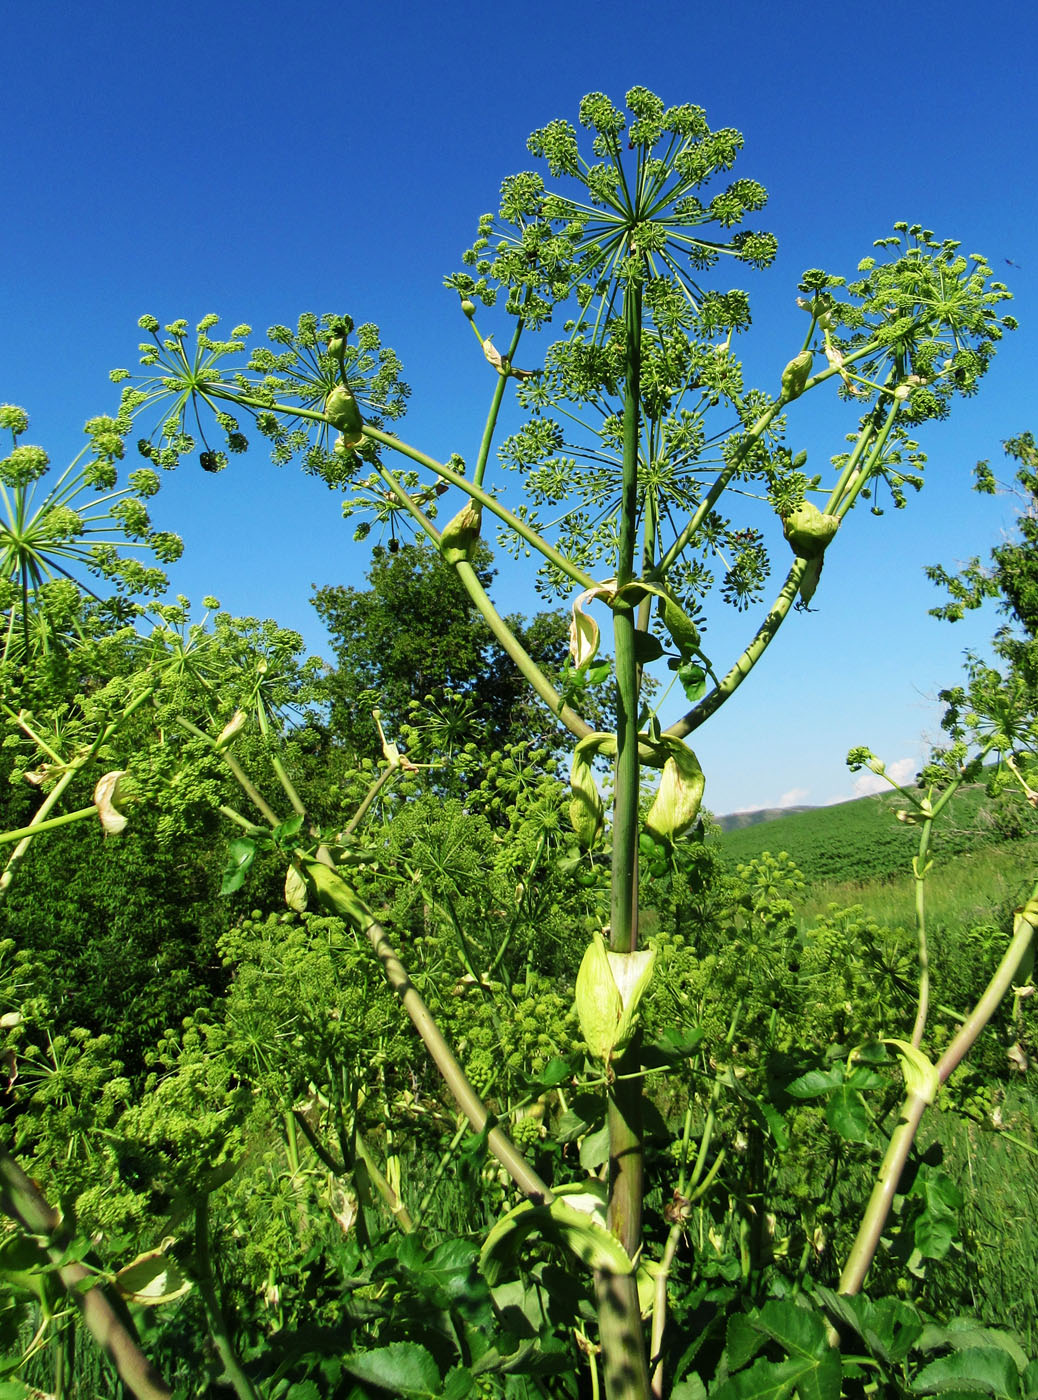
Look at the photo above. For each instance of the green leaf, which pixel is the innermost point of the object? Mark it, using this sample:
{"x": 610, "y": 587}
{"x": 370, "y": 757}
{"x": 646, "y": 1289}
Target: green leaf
{"x": 555, "y": 1072}
{"x": 690, "y": 1389}
{"x": 845, "y": 1114}
{"x": 692, "y": 678}
{"x": 814, "y": 1083}
{"x": 594, "y": 1150}
{"x": 774, "y": 1380}
{"x": 983, "y": 1370}
{"x": 402, "y": 1367}
{"x": 240, "y": 855}
{"x": 799, "y": 1331}
{"x": 288, "y": 828}
{"x": 459, "y": 1384}
{"x": 670, "y": 1047}
{"x": 647, "y": 647}
{"x": 743, "y": 1340}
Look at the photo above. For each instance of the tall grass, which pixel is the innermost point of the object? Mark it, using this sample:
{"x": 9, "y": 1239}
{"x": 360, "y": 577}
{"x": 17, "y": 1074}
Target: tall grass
{"x": 981, "y": 886}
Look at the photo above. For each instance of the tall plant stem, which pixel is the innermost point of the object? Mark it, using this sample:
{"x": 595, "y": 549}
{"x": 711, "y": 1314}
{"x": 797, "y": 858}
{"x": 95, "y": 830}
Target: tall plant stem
{"x": 498, "y": 626}
{"x": 624, "y": 927}
{"x": 218, "y": 1329}
{"x": 484, "y": 498}
{"x": 495, "y": 408}
{"x": 510, "y": 644}
{"x": 920, "y": 865}
{"x": 23, "y": 1201}
{"x": 865, "y": 1245}
{"x": 851, "y": 484}
{"x": 346, "y": 902}
{"x": 625, "y": 1362}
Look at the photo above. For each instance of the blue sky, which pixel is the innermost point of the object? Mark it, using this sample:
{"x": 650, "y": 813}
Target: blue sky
{"x": 259, "y": 161}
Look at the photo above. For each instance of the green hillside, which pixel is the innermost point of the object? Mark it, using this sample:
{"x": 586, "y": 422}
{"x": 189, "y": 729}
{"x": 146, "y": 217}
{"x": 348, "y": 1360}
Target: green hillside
{"x": 863, "y": 840}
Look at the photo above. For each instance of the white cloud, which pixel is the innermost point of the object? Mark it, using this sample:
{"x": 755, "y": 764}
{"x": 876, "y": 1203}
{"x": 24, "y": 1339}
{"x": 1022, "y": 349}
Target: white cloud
{"x": 902, "y": 770}
{"x": 793, "y": 798}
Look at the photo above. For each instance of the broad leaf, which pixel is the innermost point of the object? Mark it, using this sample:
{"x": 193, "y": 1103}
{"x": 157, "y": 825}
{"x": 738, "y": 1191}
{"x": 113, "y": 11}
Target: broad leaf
{"x": 845, "y": 1114}
{"x": 405, "y": 1368}
{"x": 647, "y": 647}
{"x": 240, "y": 855}
{"x": 985, "y": 1370}
{"x": 692, "y": 677}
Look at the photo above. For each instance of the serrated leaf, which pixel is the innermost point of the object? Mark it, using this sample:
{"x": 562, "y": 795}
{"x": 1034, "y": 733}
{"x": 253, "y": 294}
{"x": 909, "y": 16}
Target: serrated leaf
{"x": 288, "y": 828}
{"x": 799, "y": 1331}
{"x": 555, "y": 1072}
{"x": 459, "y": 1384}
{"x": 766, "y": 1380}
{"x": 982, "y": 1370}
{"x": 742, "y": 1341}
{"x": 690, "y": 1389}
{"x": 845, "y": 1114}
{"x": 240, "y": 855}
{"x": 814, "y": 1083}
{"x": 405, "y": 1368}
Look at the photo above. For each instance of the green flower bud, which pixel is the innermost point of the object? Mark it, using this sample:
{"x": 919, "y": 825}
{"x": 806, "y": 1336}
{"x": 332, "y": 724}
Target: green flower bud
{"x": 676, "y": 805}
{"x": 808, "y": 531}
{"x": 341, "y": 410}
{"x": 458, "y": 541}
{"x": 295, "y": 890}
{"x": 795, "y": 375}
{"x": 469, "y": 307}
{"x": 683, "y": 631}
{"x": 230, "y": 731}
{"x": 609, "y": 990}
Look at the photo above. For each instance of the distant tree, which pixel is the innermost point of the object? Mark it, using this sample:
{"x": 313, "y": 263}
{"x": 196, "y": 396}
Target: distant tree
{"x": 1000, "y": 702}
{"x": 415, "y": 638}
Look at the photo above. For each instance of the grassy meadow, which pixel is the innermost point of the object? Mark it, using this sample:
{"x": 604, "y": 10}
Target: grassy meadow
{"x": 859, "y": 853}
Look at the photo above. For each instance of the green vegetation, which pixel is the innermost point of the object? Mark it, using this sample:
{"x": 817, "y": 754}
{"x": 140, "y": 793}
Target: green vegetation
{"x": 861, "y": 843}
{"x": 381, "y": 1060}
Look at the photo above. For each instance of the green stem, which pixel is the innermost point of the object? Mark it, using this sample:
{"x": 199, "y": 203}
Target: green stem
{"x": 495, "y": 410}
{"x": 490, "y": 502}
{"x": 865, "y": 1245}
{"x": 287, "y": 786}
{"x": 1025, "y": 924}
{"x": 763, "y": 637}
{"x": 526, "y": 664}
{"x": 841, "y": 500}
{"x": 35, "y": 827}
{"x": 875, "y": 1218}
{"x": 39, "y": 817}
{"x": 23, "y": 1201}
{"x": 346, "y": 902}
{"x": 373, "y": 791}
{"x": 625, "y": 1362}
{"x": 508, "y": 641}
{"x": 218, "y": 1329}
{"x": 919, "y": 868}
{"x": 401, "y": 1215}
